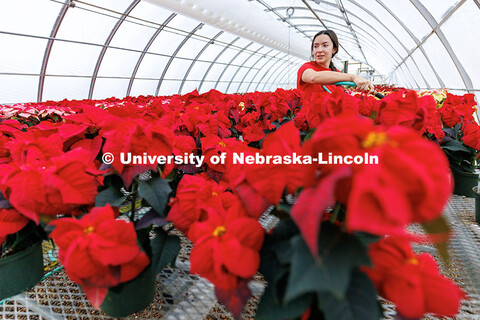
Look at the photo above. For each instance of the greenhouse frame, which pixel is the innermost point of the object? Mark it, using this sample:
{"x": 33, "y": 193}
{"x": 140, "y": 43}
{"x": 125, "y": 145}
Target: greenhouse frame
{"x": 167, "y": 159}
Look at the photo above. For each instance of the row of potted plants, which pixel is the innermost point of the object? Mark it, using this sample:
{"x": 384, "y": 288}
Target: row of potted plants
{"x": 339, "y": 245}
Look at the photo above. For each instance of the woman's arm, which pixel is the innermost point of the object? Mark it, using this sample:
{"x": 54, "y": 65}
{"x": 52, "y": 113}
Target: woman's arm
{"x": 330, "y": 77}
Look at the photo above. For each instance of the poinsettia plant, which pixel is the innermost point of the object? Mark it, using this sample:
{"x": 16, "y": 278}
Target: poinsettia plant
{"x": 51, "y": 178}
{"x": 341, "y": 241}
{"x": 322, "y": 251}
{"x": 462, "y": 133}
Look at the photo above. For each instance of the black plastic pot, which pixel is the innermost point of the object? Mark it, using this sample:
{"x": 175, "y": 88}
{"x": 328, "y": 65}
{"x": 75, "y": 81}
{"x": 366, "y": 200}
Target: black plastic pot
{"x": 464, "y": 182}
{"x": 477, "y": 204}
{"x": 130, "y": 297}
{"x": 21, "y": 271}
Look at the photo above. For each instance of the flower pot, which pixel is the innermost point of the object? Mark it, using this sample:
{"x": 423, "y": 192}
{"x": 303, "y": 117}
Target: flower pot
{"x": 477, "y": 204}
{"x": 21, "y": 271}
{"x": 131, "y": 296}
{"x": 464, "y": 182}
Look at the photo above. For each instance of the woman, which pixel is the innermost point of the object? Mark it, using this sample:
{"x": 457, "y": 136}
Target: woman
{"x": 314, "y": 74}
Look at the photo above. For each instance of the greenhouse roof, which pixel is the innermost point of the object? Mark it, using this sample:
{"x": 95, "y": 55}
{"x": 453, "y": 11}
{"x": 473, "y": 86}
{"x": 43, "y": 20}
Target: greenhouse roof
{"x": 54, "y": 50}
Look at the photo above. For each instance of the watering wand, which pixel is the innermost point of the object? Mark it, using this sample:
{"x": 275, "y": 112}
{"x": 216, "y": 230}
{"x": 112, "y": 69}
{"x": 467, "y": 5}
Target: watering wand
{"x": 350, "y": 83}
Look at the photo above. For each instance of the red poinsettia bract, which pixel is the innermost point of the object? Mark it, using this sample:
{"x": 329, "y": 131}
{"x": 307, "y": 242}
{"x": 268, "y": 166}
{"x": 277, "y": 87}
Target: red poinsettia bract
{"x": 56, "y": 186}
{"x": 98, "y": 251}
{"x": 328, "y": 105}
{"x": 135, "y": 137}
{"x": 471, "y": 135}
{"x": 410, "y": 183}
{"x": 411, "y": 281}
{"x": 405, "y": 108}
{"x": 270, "y": 180}
{"x": 226, "y": 247}
{"x": 11, "y": 221}
{"x": 196, "y": 195}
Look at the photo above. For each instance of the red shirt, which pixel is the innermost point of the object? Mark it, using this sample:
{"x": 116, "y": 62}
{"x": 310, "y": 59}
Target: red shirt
{"x": 309, "y": 88}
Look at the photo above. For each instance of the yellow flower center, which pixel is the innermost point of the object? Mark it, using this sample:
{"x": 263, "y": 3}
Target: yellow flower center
{"x": 219, "y": 231}
{"x": 222, "y": 144}
{"x": 413, "y": 261}
{"x": 214, "y": 193}
{"x": 88, "y": 230}
{"x": 375, "y": 139}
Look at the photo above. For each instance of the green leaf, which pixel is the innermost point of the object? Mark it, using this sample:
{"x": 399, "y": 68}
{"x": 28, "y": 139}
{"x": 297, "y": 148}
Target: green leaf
{"x": 274, "y": 268}
{"x": 155, "y": 191}
{"x": 440, "y": 230}
{"x": 111, "y": 195}
{"x": 165, "y": 249}
{"x": 309, "y": 135}
{"x": 367, "y": 238}
{"x": 455, "y": 145}
{"x": 284, "y": 207}
{"x": 270, "y": 308}
{"x": 359, "y": 303}
{"x": 284, "y": 252}
{"x": 330, "y": 272}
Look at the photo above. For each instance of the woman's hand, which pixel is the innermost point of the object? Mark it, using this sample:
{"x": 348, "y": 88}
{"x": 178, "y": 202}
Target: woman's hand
{"x": 363, "y": 84}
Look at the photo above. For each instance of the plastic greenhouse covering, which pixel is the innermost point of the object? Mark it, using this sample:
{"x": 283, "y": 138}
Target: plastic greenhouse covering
{"x": 52, "y": 50}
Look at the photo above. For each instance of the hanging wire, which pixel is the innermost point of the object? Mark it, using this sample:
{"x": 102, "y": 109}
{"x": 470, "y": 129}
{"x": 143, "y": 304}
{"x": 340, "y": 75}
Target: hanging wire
{"x": 290, "y": 12}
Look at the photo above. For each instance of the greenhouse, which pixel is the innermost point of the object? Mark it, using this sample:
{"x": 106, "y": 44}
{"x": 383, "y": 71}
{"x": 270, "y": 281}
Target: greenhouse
{"x": 239, "y": 159}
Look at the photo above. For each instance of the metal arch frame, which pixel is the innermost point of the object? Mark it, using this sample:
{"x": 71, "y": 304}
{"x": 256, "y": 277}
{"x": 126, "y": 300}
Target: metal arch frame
{"x": 243, "y": 63}
{"x": 258, "y": 71}
{"x": 281, "y": 74}
{"x": 381, "y": 23}
{"x": 346, "y": 39}
{"x": 215, "y": 61}
{"x": 436, "y": 29}
{"x": 251, "y": 68}
{"x": 196, "y": 59}
{"x": 366, "y": 34}
{"x": 48, "y": 49}
{"x": 266, "y": 5}
{"x": 98, "y": 45}
{"x": 277, "y": 73}
{"x": 405, "y": 76}
{"x": 408, "y": 32}
{"x": 361, "y": 35}
{"x": 416, "y": 42}
{"x": 352, "y": 14}
{"x": 421, "y": 74}
{"x": 318, "y": 18}
{"x": 286, "y": 76}
{"x": 142, "y": 21}
{"x": 174, "y": 54}
{"x": 107, "y": 43}
{"x": 271, "y": 75}
{"x": 266, "y": 72}
{"x": 359, "y": 18}
{"x": 228, "y": 65}
{"x": 373, "y": 51}
{"x": 349, "y": 24}
{"x": 147, "y": 47}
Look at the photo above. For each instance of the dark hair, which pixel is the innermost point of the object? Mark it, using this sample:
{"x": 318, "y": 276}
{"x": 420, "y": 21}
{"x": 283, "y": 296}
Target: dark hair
{"x": 333, "y": 36}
